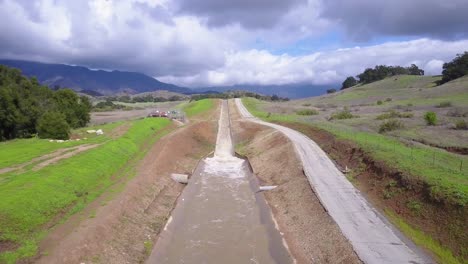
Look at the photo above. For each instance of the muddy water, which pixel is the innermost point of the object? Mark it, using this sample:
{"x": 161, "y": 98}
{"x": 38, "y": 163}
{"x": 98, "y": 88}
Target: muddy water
{"x": 219, "y": 217}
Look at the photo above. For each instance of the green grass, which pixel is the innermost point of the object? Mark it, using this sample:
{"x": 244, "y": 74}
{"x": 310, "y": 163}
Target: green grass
{"x": 254, "y": 107}
{"x": 198, "y": 107}
{"x": 30, "y": 200}
{"x": 22, "y": 150}
{"x": 439, "y": 168}
{"x": 443, "y": 254}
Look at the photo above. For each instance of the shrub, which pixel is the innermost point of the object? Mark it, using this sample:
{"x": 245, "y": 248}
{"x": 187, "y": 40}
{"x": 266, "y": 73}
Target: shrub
{"x": 343, "y": 114}
{"x": 394, "y": 114}
{"x": 53, "y": 125}
{"x": 390, "y": 125}
{"x": 379, "y": 102}
{"x": 461, "y": 125}
{"x": 431, "y": 118}
{"x": 444, "y": 104}
{"x": 388, "y": 100}
{"x": 307, "y": 112}
{"x": 330, "y": 91}
{"x": 306, "y": 104}
{"x": 414, "y": 206}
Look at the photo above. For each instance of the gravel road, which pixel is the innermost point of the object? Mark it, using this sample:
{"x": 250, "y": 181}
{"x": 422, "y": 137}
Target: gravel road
{"x": 373, "y": 238}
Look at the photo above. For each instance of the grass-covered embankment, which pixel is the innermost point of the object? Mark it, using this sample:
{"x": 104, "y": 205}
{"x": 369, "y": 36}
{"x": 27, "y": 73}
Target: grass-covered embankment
{"x": 19, "y": 151}
{"x": 429, "y": 183}
{"x": 32, "y": 200}
{"x": 198, "y": 107}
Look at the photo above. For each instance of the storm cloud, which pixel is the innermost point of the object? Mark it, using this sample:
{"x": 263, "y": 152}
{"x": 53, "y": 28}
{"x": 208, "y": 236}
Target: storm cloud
{"x": 248, "y": 13}
{"x": 364, "y": 19}
{"x": 211, "y": 42}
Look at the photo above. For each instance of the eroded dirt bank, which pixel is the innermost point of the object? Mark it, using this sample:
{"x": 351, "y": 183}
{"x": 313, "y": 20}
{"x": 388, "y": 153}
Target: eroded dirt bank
{"x": 311, "y": 234}
{"x": 122, "y": 225}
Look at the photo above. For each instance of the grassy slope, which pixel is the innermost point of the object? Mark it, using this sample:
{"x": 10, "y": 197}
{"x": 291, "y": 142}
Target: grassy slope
{"x": 22, "y": 150}
{"x": 197, "y": 107}
{"x": 28, "y": 201}
{"x": 438, "y": 168}
{"x": 418, "y": 90}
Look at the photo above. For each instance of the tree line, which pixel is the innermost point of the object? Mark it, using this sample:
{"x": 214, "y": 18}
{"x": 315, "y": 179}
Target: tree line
{"x": 143, "y": 99}
{"x": 381, "y": 72}
{"x": 454, "y": 69}
{"x": 28, "y": 108}
{"x": 238, "y": 94}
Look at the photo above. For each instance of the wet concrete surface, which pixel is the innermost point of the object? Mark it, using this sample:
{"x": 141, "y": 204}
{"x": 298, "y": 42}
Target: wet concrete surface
{"x": 220, "y": 217}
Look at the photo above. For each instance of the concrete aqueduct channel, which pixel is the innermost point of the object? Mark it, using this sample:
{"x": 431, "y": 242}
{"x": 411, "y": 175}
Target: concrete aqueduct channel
{"x": 220, "y": 217}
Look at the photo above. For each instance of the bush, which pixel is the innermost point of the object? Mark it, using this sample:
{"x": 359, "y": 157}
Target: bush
{"x": 330, "y": 91}
{"x": 388, "y": 100}
{"x": 307, "y": 112}
{"x": 461, "y": 125}
{"x": 379, "y": 102}
{"x": 394, "y": 114}
{"x": 431, "y": 118}
{"x": 343, "y": 114}
{"x": 390, "y": 125}
{"x": 444, "y": 104}
{"x": 306, "y": 104}
{"x": 53, "y": 125}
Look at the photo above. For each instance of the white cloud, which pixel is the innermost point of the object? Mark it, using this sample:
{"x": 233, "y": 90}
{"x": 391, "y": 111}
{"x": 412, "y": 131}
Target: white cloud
{"x": 150, "y": 36}
{"x": 262, "y": 67}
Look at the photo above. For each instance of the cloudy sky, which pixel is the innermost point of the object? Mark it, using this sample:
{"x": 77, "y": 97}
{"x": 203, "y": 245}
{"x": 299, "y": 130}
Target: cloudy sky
{"x": 224, "y": 42}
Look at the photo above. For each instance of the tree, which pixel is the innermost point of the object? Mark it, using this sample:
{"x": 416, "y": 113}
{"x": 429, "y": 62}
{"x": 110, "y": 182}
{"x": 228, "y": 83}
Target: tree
{"x": 414, "y": 70}
{"x": 75, "y": 109}
{"x": 23, "y": 101}
{"x": 53, "y": 125}
{"x": 349, "y": 82}
{"x": 457, "y": 68}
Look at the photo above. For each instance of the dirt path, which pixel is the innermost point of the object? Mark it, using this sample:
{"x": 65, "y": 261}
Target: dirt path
{"x": 56, "y": 155}
{"x": 311, "y": 234}
{"x": 66, "y": 155}
{"x": 373, "y": 238}
{"x": 122, "y": 225}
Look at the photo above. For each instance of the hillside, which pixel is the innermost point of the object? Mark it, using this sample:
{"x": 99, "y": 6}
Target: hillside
{"x": 97, "y": 81}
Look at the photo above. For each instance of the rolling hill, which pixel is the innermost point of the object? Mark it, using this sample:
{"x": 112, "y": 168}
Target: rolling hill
{"x": 91, "y": 81}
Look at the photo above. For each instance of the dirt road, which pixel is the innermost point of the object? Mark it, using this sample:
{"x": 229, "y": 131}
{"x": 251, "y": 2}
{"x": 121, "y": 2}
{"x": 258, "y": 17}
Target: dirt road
{"x": 373, "y": 238}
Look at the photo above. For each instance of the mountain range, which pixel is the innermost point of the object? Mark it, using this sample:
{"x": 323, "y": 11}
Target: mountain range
{"x": 101, "y": 82}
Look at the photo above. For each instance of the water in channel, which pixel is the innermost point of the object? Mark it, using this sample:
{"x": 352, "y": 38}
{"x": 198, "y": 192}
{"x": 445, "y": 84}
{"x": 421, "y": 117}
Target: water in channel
{"x": 219, "y": 218}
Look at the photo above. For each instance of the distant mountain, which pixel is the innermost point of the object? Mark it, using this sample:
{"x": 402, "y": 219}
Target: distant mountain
{"x": 292, "y": 91}
{"x": 91, "y": 82}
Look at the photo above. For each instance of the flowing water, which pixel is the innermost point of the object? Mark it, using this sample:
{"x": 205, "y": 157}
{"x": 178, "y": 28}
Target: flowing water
{"x": 219, "y": 218}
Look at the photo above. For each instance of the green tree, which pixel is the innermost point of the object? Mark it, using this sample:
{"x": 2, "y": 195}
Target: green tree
{"x": 349, "y": 82}
{"x": 457, "y": 68}
{"x": 53, "y": 125}
{"x": 414, "y": 70}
